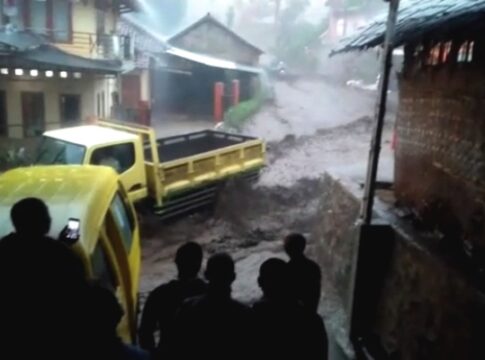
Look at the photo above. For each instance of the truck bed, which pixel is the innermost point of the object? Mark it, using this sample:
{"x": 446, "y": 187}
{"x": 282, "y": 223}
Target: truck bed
{"x": 183, "y": 146}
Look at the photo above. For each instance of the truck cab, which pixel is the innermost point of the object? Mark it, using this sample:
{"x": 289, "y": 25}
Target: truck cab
{"x": 97, "y": 145}
{"x": 109, "y": 242}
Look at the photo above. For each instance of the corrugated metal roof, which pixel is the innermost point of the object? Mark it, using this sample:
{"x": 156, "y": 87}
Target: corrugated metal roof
{"x": 211, "y": 61}
{"x": 21, "y": 40}
{"x": 212, "y": 20}
{"x": 52, "y": 56}
{"x": 418, "y": 18}
{"x": 29, "y": 50}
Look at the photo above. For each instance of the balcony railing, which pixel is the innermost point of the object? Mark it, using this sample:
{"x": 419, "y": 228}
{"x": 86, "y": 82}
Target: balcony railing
{"x": 91, "y": 45}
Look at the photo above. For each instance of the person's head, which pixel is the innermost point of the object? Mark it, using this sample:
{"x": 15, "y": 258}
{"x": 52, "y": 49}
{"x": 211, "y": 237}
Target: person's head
{"x": 295, "y": 245}
{"x": 30, "y": 217}
{"x": 189, "y": 260}
{"x": 220, "y": 270}
{"x": 273, "y": 277}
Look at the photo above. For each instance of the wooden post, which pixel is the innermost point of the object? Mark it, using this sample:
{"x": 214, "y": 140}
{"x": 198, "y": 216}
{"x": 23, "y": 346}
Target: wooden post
{"x": 369, "y": 190}
{"x": 218, "y": 102}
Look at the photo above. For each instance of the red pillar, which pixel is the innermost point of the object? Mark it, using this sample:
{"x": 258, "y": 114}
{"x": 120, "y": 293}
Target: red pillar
{"x": 394, "y": 139}
{"x": 235, "y": 92}
{"x": 218, "y": 102}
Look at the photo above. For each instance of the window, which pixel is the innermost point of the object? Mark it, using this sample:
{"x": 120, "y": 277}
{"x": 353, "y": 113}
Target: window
{"x": 33, "y": 114}
{"x": 102, "y": 270}
{"x": 61, "y": 20}
{"x": 3, "y": 113}
{"x": 53, "y": 151}
{"x": 38, "y": 16}
{"x": 120, "y": 157}
{"x": 465, "y": 53}
{"x": 100, "y": 22}
{"x": 100, "y": 105}
{"x": 123, "y": 219}
{"x": 2, "y": 16}
{"x": 16, "y": 12}
{"x": 70, "y": 108}
{"x": 103, "y": 105}
{"x": 42, "y": 16}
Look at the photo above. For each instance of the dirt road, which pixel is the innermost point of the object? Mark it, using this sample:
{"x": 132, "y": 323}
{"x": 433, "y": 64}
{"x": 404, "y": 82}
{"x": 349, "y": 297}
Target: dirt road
{"x": 313, "y": 127}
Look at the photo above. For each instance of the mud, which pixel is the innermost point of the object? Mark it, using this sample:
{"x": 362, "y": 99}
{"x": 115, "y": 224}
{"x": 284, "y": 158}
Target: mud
{"x": 313, "y": 128}
{"x": 247, "y": 219}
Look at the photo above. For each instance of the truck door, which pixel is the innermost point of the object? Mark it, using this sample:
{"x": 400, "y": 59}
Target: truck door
{"x": 127, "y": 160}
{"x": 106, "y": 270}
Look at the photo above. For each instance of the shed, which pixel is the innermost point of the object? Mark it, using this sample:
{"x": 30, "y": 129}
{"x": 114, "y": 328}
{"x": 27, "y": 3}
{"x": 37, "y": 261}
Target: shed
{"x": 210, "y": 37}
{"x": 440, "y": 127}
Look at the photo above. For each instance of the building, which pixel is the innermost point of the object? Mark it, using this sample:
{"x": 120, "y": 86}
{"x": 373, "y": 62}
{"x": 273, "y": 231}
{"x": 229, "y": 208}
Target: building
{"x": 203, "y": 54}
{"x": 59, "y": 62}
{"x": 346, "y": 17}
{"x": 211, "y": 37}
{"x": 175, "y": 78}
{"x": 422, "y": 297}
{"x": 136, "y": 84}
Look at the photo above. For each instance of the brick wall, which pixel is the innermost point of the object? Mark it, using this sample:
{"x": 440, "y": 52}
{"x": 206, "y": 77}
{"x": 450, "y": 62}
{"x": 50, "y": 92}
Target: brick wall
{"x": 440, "y": 154}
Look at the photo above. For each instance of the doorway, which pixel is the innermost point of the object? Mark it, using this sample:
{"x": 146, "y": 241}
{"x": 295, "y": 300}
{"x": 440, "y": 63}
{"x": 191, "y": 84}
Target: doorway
{"x": 70, "y": 109}
{"x": 33, "y": 113}
{"x": 3, "y": 114}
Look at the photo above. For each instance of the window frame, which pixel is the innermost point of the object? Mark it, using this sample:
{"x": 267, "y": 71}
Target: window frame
{"x": 80, "y": 102}
{"x": 3, "y": 113}
{"x": 48, "y": 138}
{"x": 130, "y": 220}
{"x": 133, "y": 147}
{"x": 112, "y": 272}
{"x": 26, "y": 17}
{"x": 42, "y": 110}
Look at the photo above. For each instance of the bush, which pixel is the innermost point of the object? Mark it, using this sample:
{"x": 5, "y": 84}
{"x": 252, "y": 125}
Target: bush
{"x": 236, "y": 116}
{"x": 12, "y": 158}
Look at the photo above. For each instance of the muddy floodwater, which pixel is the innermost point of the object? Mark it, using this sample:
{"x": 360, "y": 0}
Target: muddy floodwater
{"x": 307, "y": 134}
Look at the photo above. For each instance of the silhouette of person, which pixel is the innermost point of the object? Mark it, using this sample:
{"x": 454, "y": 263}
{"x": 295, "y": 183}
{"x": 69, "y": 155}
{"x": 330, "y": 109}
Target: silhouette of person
{"x": 45, "y": 283}
{"x": 164, "y": 301}
{"x": 105, "y": 315}
{"x": 284, "y": 328}
{"x": 214, "y": 326}
{"x": 304, "y": 274}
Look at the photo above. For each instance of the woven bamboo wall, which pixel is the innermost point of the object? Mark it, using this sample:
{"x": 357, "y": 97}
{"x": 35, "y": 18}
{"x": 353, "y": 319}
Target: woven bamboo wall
{"x": 440, "y": 154}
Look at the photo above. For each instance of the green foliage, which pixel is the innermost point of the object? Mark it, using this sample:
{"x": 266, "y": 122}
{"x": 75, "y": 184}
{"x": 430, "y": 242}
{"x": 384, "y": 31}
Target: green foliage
{"x": 236, "y": 116}
{"x": 300, "y": 45}
{"x": 165, "y": 16}
{"x": 298, "y": 40}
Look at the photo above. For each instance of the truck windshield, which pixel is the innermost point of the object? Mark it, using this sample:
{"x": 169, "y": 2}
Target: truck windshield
{"x": 55, "y": 151}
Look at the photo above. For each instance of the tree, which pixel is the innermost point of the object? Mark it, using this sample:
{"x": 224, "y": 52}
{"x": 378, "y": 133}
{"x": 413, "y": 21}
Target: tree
{"x": 165, "y": 16}
{"x": 298, "y": 39}
{"x": 230, "y": 17}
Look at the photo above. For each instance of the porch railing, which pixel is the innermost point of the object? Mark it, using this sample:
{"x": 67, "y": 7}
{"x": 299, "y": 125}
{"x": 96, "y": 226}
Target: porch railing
{"x": 91, "y": 45}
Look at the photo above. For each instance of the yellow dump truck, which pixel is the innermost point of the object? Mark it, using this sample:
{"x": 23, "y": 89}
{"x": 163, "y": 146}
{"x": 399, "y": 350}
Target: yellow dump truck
{"x": 109, "y": 240}
{"x": 177, "y": 173}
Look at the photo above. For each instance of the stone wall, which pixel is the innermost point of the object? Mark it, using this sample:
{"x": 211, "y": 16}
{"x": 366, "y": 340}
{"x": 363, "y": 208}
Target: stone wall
{"x": 427, "y": 308}
{"x": 336, "y": 234}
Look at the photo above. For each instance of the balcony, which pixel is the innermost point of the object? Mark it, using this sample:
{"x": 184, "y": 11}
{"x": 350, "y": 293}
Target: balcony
{"x": 93, "y": 46}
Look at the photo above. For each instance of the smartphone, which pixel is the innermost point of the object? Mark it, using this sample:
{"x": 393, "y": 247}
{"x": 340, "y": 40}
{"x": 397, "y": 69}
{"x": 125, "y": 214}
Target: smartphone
{"x": 73, "y": 226}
